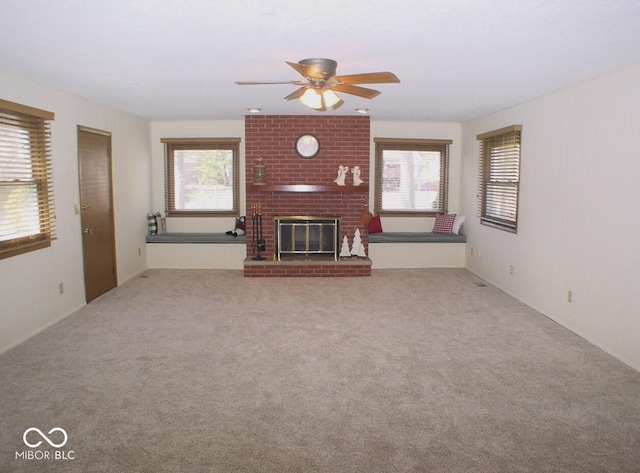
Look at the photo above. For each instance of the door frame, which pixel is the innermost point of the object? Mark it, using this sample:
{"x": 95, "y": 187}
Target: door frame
{"x": 111, "y": 216}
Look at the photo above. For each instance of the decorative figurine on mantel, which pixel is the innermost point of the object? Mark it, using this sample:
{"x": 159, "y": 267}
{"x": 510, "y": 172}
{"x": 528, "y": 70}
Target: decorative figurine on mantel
{"x": 344, "y": 251}
{"x": 342, "y": 175}
{"x": 358, "y": 248}
{"x": 355, "y": 170}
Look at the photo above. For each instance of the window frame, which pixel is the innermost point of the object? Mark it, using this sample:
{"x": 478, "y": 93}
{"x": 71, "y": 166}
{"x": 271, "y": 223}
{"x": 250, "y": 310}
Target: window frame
{"x": 172, "y": 144}
{"x": 509, "y": 161}
{"x": 33, "y": 124}
{"x": 411, "y": 144}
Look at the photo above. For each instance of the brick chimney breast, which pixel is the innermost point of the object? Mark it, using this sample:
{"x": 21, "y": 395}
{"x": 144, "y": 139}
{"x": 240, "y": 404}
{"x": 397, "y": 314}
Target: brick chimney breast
{"x": 344, "y": 140}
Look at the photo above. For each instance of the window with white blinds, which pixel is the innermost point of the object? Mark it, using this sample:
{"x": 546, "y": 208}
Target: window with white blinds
{"x": 412, "y": 176}
{"x": 499, "y": 177}
{"x": 27, "y": 214}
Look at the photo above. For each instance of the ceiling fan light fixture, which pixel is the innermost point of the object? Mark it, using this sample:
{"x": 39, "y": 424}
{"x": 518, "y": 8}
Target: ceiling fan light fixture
{"x": 330, "y": 98}
{"x": 312, "y": 99}
{"x": 320, "y": 84}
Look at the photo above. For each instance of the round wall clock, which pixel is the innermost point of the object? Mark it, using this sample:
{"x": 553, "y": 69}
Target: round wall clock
{"x": 307, "y": 146}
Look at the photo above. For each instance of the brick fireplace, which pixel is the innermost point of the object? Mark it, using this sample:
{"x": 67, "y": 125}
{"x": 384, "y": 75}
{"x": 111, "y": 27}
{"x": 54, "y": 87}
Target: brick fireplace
{"x": 306, "y": 187}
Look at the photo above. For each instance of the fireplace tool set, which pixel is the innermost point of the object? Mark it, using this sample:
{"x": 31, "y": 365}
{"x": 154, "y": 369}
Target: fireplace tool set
{"x": 259, "y": 244}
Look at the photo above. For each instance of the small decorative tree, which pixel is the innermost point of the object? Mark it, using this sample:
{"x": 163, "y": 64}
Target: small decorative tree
{"x": 344, "y": 251}
{"x": 358, "y": 248}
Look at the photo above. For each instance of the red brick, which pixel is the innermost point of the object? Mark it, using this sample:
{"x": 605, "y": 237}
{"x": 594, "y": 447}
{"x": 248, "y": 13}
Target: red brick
{"x": 344, "y": 140}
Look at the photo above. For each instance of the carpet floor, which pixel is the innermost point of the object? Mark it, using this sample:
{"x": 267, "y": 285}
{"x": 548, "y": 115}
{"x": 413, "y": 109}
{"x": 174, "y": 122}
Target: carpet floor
{"x": 404, "y": 371}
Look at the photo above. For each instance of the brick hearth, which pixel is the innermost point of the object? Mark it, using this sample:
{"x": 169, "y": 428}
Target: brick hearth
{"x": 301, "y": 268}
{"x": 297, "y": 186}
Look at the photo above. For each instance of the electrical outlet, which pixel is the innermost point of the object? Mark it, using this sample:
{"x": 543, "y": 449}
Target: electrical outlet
{"x": 570, "y": 296}
{"x": 61, "y": 288}
{"x": 510, "y": 269}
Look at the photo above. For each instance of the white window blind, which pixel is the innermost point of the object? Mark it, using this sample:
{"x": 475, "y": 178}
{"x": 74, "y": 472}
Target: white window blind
{"x": 412, "y": 176}
{"x": 27, "y": 214}
{"x": 499, "y": 177}
{"x": 201, "y": 176}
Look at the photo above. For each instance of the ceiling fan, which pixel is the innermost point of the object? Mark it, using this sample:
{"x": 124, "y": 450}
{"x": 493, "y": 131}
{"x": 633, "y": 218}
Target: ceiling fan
{"x": 318, "y": 90}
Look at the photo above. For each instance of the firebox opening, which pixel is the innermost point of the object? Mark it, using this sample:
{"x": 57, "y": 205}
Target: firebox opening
{"x": 306, "y": 236}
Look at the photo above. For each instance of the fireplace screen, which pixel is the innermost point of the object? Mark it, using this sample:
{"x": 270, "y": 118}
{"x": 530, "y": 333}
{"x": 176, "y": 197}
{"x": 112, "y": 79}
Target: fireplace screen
{"x": 306, "y": 236}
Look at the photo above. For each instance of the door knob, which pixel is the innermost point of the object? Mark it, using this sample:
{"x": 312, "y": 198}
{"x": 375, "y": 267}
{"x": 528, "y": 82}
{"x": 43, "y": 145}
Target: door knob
{"x": 87, "y": 231}
{"x": 85, "y": 207}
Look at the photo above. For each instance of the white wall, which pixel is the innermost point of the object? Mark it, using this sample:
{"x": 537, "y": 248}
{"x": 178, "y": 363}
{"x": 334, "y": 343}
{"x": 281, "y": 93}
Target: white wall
{"x": 578, "y": 221}
{"x": 29, "y": 288}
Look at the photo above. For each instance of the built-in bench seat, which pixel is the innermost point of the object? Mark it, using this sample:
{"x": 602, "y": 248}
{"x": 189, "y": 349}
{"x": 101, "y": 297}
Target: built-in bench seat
{"x": 196, "y": 238}
{"x": 412, "y": 250}
{"x": 196, "y": 250}
{"x": 416, "y": 237}
{"x": 386, "y": 250}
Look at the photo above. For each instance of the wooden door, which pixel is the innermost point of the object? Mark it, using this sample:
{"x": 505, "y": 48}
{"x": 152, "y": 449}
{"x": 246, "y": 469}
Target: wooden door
{"x": 96, "y": 211}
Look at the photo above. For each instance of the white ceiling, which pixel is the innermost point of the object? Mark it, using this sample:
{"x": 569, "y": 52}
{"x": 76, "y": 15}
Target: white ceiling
{"x": 179, "y": 59}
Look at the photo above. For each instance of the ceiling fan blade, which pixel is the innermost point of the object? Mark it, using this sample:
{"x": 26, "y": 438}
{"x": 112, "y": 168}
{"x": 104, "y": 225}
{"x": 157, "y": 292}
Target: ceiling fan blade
{"x": 307, "y": 71}
{"x": 257, "y": 82}
{"x": 355, "y": 90}
{"x": 368, "y": 78}
{"x": 296, "y": 94}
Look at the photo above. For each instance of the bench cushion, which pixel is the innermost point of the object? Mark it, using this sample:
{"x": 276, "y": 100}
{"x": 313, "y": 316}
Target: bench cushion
{"x": 416, "y": 237}
{"x": 196, "y": 238}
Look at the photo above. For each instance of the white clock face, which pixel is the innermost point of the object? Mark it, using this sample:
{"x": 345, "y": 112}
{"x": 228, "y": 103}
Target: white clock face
{"x": 307, "y": 146}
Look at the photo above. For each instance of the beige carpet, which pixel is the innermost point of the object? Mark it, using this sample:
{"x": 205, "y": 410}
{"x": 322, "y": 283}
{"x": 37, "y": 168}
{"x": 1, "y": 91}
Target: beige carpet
{"x": 405, "y": 371}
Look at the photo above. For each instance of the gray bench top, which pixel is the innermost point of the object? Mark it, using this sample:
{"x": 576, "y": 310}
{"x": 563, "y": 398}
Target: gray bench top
{"x": 416, "y": 237}
{"x": 196, "y": 238}
{"x": 384, "y": 237}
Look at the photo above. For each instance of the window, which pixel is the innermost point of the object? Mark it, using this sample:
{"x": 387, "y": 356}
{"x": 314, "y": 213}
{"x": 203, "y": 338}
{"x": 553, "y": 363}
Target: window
{"x": 201, "y": 176}
{"x": 27, "y": 216}
{"x": 499, "y": 177}
{"x": 411, "y": 176}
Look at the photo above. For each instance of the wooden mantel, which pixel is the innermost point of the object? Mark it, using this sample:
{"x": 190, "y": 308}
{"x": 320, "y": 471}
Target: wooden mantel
{"x": 307, "y": 188}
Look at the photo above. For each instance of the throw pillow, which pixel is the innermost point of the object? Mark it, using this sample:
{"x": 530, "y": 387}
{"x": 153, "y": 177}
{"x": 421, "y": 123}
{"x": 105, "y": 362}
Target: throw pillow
{"x": 457, "y": 224}
{"x": 162, "y": 224}
{"x": 152, "y": 223}
{"x": 444, "y": 223}
{"x": 375, "y": 225}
